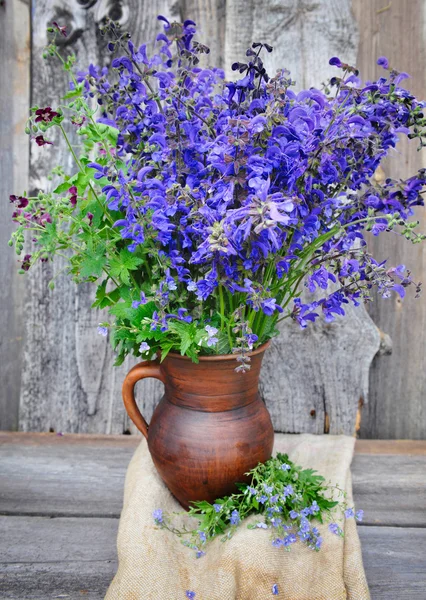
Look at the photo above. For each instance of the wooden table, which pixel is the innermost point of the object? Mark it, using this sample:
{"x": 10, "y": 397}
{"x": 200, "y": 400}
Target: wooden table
{"x": 61, "y": 496}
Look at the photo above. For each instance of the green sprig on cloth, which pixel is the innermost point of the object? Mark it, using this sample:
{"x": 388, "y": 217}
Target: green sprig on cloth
{"x": 286, "y": 496}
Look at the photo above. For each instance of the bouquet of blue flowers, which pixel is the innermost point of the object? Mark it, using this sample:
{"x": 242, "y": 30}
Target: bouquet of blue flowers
{"x": 201, "y": 207}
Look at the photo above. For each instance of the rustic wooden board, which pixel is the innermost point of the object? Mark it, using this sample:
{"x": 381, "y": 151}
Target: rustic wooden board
{"x": 390, "y": 489}
{"x": 14, "y": 102}
{"x": 42, "y": 558}
{"x": 72, "y": 557}
{"x": 53, "y": 475}
{"x": 75, "y": 475}
{"x": 394, "y": 562}
{"x": 397, "y": 382}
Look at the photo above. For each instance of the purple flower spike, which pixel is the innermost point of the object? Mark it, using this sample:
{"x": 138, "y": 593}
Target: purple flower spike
{"x": 335, "y": 62}
{"x": 383, "y": 62}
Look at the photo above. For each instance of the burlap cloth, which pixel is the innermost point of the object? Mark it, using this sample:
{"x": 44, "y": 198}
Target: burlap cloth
{"x": 154, "y": 565}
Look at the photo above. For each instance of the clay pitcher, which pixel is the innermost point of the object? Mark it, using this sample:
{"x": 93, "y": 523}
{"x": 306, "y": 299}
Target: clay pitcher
{"x": 210, "y": 427}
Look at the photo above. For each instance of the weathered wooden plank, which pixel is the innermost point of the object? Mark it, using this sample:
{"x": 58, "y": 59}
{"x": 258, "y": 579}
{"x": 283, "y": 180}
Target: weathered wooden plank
{"x": 51, "y": 558}
{"x": 390, "y": 447}
{"x": 394, "y": 562}
{"x": 57, "y": 476}
{"x": 14, "y": 103}
{"x": 397, "y": 382}
{"x": 68, "y": 382}
{"x": 44, "y": 558}
{"x": 390, "y": 488}
{"x": 82, "y": 475}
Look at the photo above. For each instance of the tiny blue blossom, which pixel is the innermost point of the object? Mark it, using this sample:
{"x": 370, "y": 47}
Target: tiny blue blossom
{"x": 190, "y": 595}
{"x": 144, "y": 347}
{"x": 359, "y": 515}
{"x": 262, "y": 525}
{"x": 217, "y": 507}
{"x": 158, "y": 516}
{"x": 349, "y": 513}
{"x": 212, "y": 340}
{"x": 288, "y": 491}
{"x": 285, "y": 467}
{"x": 202, "y": 536}
{"x": 102, "y": 330}
{"x": 235, "y": 517}
{"x": 304, "y": 525}
{"x": 334, "y": 528}
{"x": 294, "y": 514}
{"x": 275, "y": 590}
{"x": 290, "y": 539}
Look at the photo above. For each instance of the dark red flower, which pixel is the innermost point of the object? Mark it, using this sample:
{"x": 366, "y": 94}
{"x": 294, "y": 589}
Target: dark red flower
{"x": 45, "y": 114}
{"x": 21, "y": 200}
{"x": 40, "y": 141}
{"x": 62, "y": 29}
{"x": 73, "y": 198}
{"x": 78, "y": 121}
{"x": 90, "y": 217}
{"x": 44, "y": 218}
{"x": 26, "y": 263}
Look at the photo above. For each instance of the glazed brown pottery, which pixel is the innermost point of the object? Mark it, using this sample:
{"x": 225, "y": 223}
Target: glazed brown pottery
{"x": 209, "y": 428}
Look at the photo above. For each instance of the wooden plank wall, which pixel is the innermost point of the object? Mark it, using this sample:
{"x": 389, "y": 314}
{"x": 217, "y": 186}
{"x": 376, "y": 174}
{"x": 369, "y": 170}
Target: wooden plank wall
{"x": 314, "y": 380}
{"x": 397, "y": 400}
{"x": 14, "y": 101}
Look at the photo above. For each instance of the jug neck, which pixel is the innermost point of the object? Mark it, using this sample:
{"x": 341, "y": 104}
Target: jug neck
{"x": 212, "y": 385}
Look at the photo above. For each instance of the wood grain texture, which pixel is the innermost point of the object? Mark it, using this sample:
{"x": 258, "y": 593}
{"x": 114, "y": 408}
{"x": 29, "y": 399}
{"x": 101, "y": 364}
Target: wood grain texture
{"x": 75, "y": 556}
{"x": 390, "y": 489}
{"x": 83, "y": 475}
{"x": 43, "y": 558}
{"x": 394, "y": 562}
{"x": 68, "y": 380}
{"x": 14, "y": 103}
{"x": 396, "y": 407}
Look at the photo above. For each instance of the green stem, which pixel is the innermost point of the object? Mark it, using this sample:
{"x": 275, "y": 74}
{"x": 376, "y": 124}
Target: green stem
{"x": 222, "y": 308}
{"x": 71, "y": 149}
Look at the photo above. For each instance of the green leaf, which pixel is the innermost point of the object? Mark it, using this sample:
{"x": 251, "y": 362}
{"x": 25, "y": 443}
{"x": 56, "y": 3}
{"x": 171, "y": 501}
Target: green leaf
{"x": 104, "y": 299}
{"x": 63, "y": 187}
{"x": 165, "y": 349}
{"x": 92, "y": 266}
{"x": 121, "y": 266}
{"x": 129, "y": 259}
{"x": 222, "y": 346}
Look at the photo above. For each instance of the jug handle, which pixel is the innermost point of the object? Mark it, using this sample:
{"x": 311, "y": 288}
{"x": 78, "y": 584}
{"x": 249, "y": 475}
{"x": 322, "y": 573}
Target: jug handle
{"x": 140, "y": 371}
